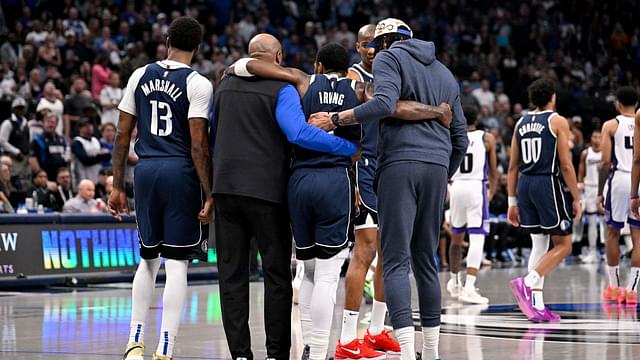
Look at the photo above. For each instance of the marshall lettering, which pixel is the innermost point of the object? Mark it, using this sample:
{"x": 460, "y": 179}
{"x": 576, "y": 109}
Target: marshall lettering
{"x": 164, "y": 86}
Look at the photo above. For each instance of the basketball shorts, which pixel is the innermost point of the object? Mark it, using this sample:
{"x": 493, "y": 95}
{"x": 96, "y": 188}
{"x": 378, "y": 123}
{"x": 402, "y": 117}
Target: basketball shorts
{"x": 469, "y": 205}
{"x": 590, "y": 199}
{"x": 616, "y": 203}
{"x": 545, "y": 205}
{"x": 168, "y": 199}
{"x": 368, "y": 212}
{"x": 321, "y": 205}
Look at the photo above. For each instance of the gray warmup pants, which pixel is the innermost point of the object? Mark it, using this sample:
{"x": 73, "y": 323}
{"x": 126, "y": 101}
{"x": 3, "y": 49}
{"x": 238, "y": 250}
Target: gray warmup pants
{"x": 410, "y": 202}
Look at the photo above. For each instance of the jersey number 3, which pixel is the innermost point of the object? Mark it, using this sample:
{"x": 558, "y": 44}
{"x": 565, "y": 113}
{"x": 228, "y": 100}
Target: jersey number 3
{"x": 156, "y": 107}
{"x": 531, "y": 149}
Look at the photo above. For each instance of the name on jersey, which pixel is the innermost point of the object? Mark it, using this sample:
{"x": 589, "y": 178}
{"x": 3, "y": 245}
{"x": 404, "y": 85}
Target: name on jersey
{"x": 164, "y": 86}
{"x": 331, "y": 98}
{"x": 531, "y": 127}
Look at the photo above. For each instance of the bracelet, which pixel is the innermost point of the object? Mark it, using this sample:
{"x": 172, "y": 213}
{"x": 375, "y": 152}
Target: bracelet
{"x": 633, "y": 197}
{"x": 512, "y": 201}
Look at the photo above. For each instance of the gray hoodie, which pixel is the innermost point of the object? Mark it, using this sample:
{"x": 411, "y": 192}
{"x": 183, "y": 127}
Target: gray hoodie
{"x": 408, "y": 70}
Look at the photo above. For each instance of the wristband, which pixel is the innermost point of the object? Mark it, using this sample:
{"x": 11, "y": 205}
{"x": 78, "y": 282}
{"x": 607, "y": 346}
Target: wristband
{"x": 512, "y": 201}
{"x": 634, "y": 197}
{"x": 240, "y": 67}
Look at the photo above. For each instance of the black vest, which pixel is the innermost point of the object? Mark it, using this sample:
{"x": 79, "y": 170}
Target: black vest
{"x": 19, "y": 136}
{"x": 252, "y": 156}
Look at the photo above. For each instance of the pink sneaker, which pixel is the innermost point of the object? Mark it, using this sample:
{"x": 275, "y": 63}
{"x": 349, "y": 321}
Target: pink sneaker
{"x": 523, "y": 295}
{"x": 550, "y": 315}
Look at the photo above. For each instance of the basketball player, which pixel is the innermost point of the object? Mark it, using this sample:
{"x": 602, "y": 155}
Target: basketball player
{"x": 168, "y": 102}
{"x": 470, "y": 208}
{"x": 588, "y": 180}
{"x": 366, "y": 229}
{"x": 539, "y": 168}
{"x": 316, "y": 298}
{"x": 617, "y": 158}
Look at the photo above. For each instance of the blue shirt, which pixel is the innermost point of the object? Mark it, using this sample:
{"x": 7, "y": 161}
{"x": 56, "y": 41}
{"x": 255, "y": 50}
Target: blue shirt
{"x": 293, "y": 124}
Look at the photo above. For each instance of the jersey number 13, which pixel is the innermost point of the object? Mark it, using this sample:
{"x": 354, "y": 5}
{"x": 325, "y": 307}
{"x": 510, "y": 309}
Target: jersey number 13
{"x": 158, "y": 107}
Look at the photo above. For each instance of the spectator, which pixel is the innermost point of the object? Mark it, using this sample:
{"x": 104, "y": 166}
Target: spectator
{"x": 49, "y": 150}
{"x": 63, "y": 191}
{"x": 74, "y": 24}
{"x": 51, "y": 101}
{"x": 202, "y": 65}
{"x": 101, "y": 185}
{"x": 84, "y": 202}
{"x": 10, "y": 49}
{"x": 74, "y": 105}
{"x": 110, "y": 97}
{"x": 32, "y": 89}
{"x": 107, "y": 141}
{"x": 91, "y": 113}
{"x": 87, "y": 153}
{"x": 14, "y": 138}
{"x": 6, "y": 187}
{"x": 466, "y": 98}
{"x": 38, "y": 35}
{"x": 42, "y": 194}
{"x": 100, "y": 75}
{"x": 49, "y": 54}
{"x": 484, "y": 95}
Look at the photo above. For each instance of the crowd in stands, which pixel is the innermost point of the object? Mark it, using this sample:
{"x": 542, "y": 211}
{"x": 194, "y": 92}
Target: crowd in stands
{"x": 63, "y": 65}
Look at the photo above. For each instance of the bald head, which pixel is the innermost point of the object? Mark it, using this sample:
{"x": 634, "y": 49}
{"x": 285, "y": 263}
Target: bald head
{"x": 86, "y": 189}
{"x": 265, "y": 47}
{"x": 366, "y": 33}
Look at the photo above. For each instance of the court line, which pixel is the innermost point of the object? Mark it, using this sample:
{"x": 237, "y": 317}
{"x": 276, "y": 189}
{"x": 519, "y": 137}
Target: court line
{"x": 544, "y": 340}
{"x": 85, "y": 354}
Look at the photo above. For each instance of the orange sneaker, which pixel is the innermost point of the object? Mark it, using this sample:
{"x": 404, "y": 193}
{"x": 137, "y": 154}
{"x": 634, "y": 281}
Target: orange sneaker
{"x": 382, "y": 342}
{"x": 611, "y": 294}
{"x": 357, "y": 349}
{"x": 622, "y": 295}
{"x": 631, "y": 297}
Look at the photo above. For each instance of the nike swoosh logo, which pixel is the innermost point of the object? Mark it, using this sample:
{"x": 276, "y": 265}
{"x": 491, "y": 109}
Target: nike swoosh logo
{"x": 372, "y": 340}
{"x": 352, "y": 352}
{"x": 526, "y": 294}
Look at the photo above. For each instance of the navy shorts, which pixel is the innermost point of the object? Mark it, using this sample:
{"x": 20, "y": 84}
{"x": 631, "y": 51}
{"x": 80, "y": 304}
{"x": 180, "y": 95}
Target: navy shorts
{"x": 545, "y": 205}
{"x": 168, "y": 199}
{"x": 320, "y": 206}
{"x": 368, "y": 211}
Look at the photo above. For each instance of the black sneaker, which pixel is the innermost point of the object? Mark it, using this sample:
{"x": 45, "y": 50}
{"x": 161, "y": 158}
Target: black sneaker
{"x": 418, "y": 356}
{"x": 305, "y": 353}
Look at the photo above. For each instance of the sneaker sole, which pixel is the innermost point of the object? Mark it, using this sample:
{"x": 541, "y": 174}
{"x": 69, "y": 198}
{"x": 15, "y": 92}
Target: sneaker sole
{"x": 469, "y": 301}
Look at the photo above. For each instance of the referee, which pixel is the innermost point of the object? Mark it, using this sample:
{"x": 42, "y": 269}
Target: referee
{"x": 257, "y": 119}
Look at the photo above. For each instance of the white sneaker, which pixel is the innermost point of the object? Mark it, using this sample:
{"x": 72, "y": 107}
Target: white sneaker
{"x": 591, "y": 258}
{"x": 472, "y": 296}
{"x": 453, "y": 289}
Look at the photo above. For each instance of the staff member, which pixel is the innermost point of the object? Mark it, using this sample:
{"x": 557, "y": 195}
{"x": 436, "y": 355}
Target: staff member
{"x": 257, "y": 119}
{"x": 414, "y": 162}
{"x": 48, "y": 150}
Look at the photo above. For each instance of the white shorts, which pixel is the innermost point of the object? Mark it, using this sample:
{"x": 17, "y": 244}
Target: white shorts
{"x": 469, "y": 207}
{"x": 616, "y": 202}
{"x": 590, "y": 199}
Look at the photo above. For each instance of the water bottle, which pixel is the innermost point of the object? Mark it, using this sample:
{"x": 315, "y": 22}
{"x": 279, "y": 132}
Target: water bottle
{"x": 22, "y": 209}
{"x": 34, "y": 195}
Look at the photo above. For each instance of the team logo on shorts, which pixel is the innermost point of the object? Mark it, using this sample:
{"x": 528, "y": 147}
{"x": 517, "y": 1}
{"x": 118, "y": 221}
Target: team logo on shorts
{"x": 204, "y": 246}
{"x": 565, "y": 225}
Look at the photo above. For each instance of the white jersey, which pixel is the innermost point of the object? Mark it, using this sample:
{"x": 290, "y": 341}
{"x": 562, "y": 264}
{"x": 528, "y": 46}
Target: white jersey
{"x": 592, "y": 165}
{"x": 623, "y": 144}
{"x": 475, "y": 163}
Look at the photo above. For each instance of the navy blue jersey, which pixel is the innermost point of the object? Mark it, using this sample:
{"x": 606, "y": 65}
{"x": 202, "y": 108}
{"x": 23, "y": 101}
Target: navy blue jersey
{"x": 538, "y": 144}
{"x": 328, "y": 94}
{"x": 162, "y": 108}
{"x": 369, "y": 128}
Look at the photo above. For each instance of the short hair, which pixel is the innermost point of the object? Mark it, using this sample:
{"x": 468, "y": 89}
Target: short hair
{"x": 105, "y": 172}
{"x": 106, "y": 125}
{"x": 541, "y": 91}
{"x": 471, "y": 114}
{"x": 627, "y": 96}
{"x": 63, "y": 169}
{"x": 37, "y": 173}
{"x": 185, "y": 33}
{"x": 334, "y": 57}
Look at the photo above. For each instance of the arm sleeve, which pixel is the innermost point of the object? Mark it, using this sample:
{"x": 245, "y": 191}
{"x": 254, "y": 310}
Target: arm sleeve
{"x": 199, "y": 91}
{"x": 292, "y": 121}
{"x": 5, "y": 133}
{"x": 128, "y": 102}
{"x": 386, "y": 72}
{"x": 459, "y": 138}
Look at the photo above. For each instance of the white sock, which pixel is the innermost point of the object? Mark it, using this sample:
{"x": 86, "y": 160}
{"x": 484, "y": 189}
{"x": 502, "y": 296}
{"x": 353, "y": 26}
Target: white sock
{"x": 628, "y": 243}
{"x": 349, "y": 326}
{"x": 144, "y": 283}
{"x": 430, "y": 341}
{"x": 476, "y": 249}
{"x": 537, "y": 300}
{"x": 634, "y": 278}
{"x": 323, "y": 300}
{"x": 470, "y": 282}
{"x": 304, "y": 300}
{"x": 457, "y": 278}
{"x": 614, "y": 276}
{"x": 407, "y": 338}
{"x": 531, "y": 278}
{"x": 378, "y": 313}
{"x": 175, "y": 293}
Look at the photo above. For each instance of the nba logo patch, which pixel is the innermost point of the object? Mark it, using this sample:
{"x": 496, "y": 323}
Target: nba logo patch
{"x": 565, "y": 225}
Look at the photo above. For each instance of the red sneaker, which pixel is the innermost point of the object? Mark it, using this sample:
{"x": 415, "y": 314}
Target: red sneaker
{"x": 611, "y": 294}
{"x": 383, "y": 342}
{"x": 357, "y": 349}
{"x": 631, "y": 297}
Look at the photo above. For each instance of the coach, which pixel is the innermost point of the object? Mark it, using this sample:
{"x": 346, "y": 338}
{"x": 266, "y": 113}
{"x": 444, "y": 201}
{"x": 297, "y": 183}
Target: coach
{"x": 414, "y": 163}
{"x": 257, "y": 120}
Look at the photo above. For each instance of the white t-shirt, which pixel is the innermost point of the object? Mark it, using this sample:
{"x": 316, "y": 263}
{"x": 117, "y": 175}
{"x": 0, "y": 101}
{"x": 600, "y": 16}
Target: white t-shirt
{"x": 56, "y": 107}
{"x": 110, "y": 95}
{"x": 485, "y": 98}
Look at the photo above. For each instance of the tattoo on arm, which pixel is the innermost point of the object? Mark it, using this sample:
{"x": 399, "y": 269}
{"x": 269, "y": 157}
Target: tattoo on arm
{"x": 121, "y": 149}
{"x": 201, "y": 153}
{"x": 415, "y": 111}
